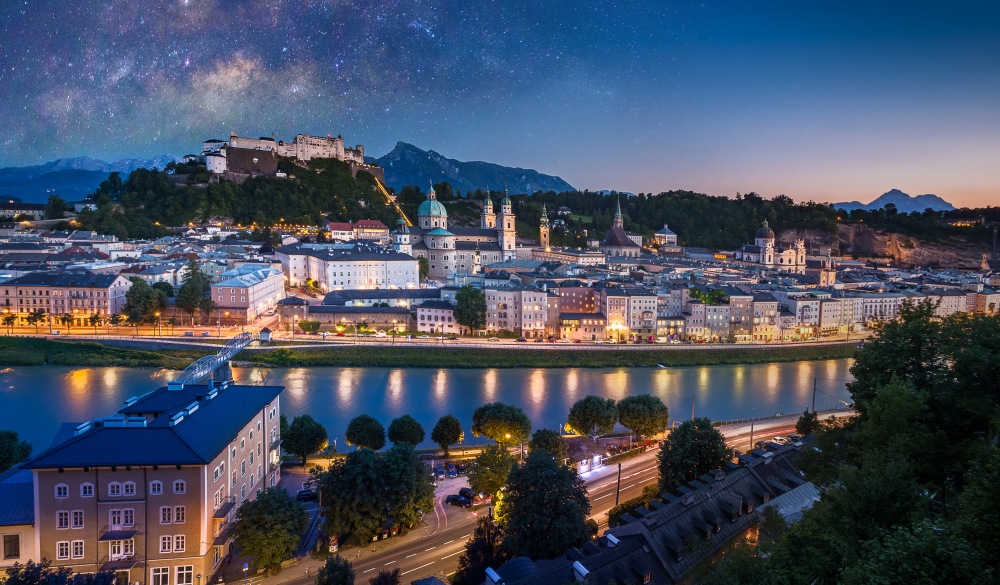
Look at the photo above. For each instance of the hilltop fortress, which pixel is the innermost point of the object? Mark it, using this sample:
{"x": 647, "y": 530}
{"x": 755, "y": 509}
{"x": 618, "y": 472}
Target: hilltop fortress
{"x": 242, "y": 157}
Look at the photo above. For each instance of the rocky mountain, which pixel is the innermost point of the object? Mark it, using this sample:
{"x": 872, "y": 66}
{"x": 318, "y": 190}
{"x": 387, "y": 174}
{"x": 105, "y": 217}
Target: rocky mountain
{"x": 408, "y": 165}
{"x": 70, "y": 178}
{"x": 904, "y": 203}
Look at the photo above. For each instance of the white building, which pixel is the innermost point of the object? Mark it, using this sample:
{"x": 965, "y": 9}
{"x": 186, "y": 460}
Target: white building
{"x": 248, "y": 291}
{"x": 347, "y": 266}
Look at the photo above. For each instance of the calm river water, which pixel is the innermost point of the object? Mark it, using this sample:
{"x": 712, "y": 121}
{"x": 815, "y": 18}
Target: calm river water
{"x": 34, "y": 401}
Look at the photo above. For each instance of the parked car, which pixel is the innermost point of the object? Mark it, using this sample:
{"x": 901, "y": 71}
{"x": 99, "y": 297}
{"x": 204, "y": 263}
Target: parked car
{"x": 539, "y": 340}
{"x": 305, "y": 495}
{"x": 439, "y": 472}
{"x": 467, "y": 493}
{"x": 779, "y": 440}
{"x": 521, "y": 340}
{"x": 189, "y": 334}
{"x": 457, "y": 500}
{"x": 206, "y": 334}
{"x": 794, "y": 437}
{"x": 494, "y": 339}
{"x": 452, "y": 470}
{"x": 461, "y": 468}
{"x": 577, "y": 341}
{"x": 423, "y": 337}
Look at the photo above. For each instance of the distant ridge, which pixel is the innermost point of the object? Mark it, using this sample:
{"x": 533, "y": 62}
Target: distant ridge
{"x": 70, "y": 178}
{"x": 904, "y": 203}
{"x": 408, "y": 165}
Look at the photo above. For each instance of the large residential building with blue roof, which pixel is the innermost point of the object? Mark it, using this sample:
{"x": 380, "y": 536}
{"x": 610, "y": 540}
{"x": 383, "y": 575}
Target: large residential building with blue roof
{"x": 151, "y": 492}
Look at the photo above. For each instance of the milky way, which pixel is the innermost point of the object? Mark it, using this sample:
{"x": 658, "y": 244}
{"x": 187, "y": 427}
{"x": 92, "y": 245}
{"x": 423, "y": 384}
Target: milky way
{"x": 835, "y": 101}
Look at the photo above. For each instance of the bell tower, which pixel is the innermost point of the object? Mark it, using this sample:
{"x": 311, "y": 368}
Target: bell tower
{"x": 543, "y": 229}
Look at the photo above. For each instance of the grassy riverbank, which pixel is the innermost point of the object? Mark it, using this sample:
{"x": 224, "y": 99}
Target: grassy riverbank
{"x": 428, "y": 357}
{"x": 34, "y": 351}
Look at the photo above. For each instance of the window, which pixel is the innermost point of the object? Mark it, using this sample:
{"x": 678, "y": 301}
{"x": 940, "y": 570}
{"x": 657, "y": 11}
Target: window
{"x": 77, "y": 549}
{"x": 180, "y": 515}
{"x": 62, "y": 491}
{"x": 234, "y": 479}
{"x": 270, "y": 415}
{"x": 166, "y": 513}
{"x": 251, "y": 435}
{"x": 128, "y": 488}
{"x": 243, "y": 444}
{"x": 11, "y": 546}
{"x": 222, "y": 468}
{"x": 114, "y": 489}
{"x": 258, "y": 449}
{"x": 166, "y": 544}
{"x": 251, "y": 480}
{"x": 185, "y": 575}
{"x": 115, "y": 517}
{"x": 161, "y": 576}
{"x": 233, "y": 457}
{"x": 251, "y": 457}
{"x": 215, "y": 474}
{"x": 180, "y": 486}
{"x": 243, "y": 493}
{"x": 179, "y": 543}
{"x": 62, "y": 549}
{"x": 62, "y": 519}
{"x": 155, "y": 488}
{"x": 243, "y": 468}
{"x": 128, "y": 517}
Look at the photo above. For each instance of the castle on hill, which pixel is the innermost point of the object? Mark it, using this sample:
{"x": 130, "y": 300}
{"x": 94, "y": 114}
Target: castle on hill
{"x": 241, "y": 156}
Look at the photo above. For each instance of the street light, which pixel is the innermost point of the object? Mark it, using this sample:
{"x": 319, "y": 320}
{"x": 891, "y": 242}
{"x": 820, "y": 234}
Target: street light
{"x": 394, "y": 332}
{"x": 246, "y": 566}
{"x": 158, "y": 330}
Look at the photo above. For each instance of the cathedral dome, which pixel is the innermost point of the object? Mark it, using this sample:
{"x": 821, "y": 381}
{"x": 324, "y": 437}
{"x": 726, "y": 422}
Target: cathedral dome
{"x": 765, "y": 233}
{"x": 432, "y": 207}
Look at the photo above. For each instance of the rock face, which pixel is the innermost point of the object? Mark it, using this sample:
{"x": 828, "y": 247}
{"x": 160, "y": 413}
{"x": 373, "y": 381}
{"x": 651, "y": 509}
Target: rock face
{"x": 904, "y": 203}
{"x": 861, "y": 241}
{"x": 408, "y": 165}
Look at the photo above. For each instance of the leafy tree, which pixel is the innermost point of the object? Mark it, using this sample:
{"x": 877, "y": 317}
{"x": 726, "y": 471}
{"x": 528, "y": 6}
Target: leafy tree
{"x": 503, "y": 423}
{"x": 269, "y": 527}
{"x": 354, "y": 499}
{"x": 447, "y": 432}
{"x": 304, "y": 437}
{"x": 193, "y": 289}
{"x": 165, "y": 287}
{"x": 95, "y": 321}
{"x": 36, "y": 318}
{"x": 470, "y": 307}
{"x": 409, "y": 489}
{"x": 550, "y": 441}
{"x": 692, "y": 449}
{"x": 489, "y": 472}
{"x": 9, "y": 319}
{"x": 366, "y": 432}
{"x": 979, "y": 500}
{"x": 406, "y": 429}
{"x": 43, "y": 573}
{"x": 283, "y": 425}
{"x": 12, "y": 450}
{"x": 424, "y": 267}
{"x": 142, "y": 301}
{"x": 385, "y": 577}
{"x": 309, "y": 326}
{"x": 336, "y": 571}
{"x": 484, "y": 550}
{"x": 593, "y": 415}
{"x": 644, "y": 414}
{"x": 56, "y": 207}
{"x": 545, "y": 507}
{"x": 808, "y": 423}
{"x": 66, "y": 319}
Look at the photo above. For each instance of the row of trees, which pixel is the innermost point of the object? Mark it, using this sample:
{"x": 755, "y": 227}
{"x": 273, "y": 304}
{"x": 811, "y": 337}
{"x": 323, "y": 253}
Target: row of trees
{"x": 643, "y": 414}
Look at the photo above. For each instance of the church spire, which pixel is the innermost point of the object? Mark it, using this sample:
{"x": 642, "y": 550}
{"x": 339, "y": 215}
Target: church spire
{"x": 619, "y": 222}
{"x": 432, "y": 195}
{"x": 545, "y": 216}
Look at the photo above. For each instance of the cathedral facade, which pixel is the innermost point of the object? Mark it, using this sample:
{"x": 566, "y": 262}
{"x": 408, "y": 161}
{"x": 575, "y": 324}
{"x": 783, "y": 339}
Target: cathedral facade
{"x": 455, "y": 250}
{"x": 766, "y": 252}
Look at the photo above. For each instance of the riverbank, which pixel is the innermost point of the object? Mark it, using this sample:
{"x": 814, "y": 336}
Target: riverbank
{"x": 438, "y": 357}
{"x": 38, "y": 351}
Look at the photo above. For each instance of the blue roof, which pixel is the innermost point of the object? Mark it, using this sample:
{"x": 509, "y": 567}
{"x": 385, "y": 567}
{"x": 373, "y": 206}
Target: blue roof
{"x": 432, "y": 207}
{"x": 439, "y": 232}
{"x": 17, "y": 492}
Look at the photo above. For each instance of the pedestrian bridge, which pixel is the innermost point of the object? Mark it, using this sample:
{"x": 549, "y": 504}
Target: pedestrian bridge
{"x": 207, "y": 365}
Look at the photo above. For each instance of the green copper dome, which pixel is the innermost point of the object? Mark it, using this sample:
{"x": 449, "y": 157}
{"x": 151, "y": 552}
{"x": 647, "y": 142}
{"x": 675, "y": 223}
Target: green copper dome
{"x": 432, "y": 207}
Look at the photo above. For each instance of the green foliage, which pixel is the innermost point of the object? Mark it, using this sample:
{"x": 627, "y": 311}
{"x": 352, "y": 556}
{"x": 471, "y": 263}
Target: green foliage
{"x": 283, "y": 357}
{"x": 55, "y": 207}
{"x": 981, "y": 500}
{"x": 808, "y": 423}
{"x": 470, "y": 308}
{"x": 406, "y": 429}
{"x": 12, "y": 449}
{"x": 503, "y": 423}
{"x": 593, "y": 415}
{"x": 142, "y": 302}
{"x": 336, "y": 571}
{"x": 43, "y": 573}
{"x": 385, "y": 577}
{"x": 366, "y": 432}
{"x": 447, "y": 432}
{"x": 423, "y": 267}
{"x": 616, "y": 512}
{"x": 550, "y": 441}
{"x": 484, "y": 550}
{"x": 545, "y": 508}
{"x": 409, "y": 489}
{"x": 269, "y": 527}
{"x": 354, "y": 498}
{"x": 36, "y": 318}
{"x": 309, "y": 326}
{"x": 489, "y": 472}
{"x": 165, "y": 287}
{"x": 305, "y": 436}
{"x": 692, "y": 449}
{"x": 644, "y": 414}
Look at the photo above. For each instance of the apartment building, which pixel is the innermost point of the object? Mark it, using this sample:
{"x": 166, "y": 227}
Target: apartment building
{"x": 765, "y": 317}
{"x": 521, "y": 310}
{"x": 437, "y": 317}
{"x": 79, "y": 294}
{"x": 248, "y": 291}
{"x": 151, "y": 492}
{"x": 348, "y": 266}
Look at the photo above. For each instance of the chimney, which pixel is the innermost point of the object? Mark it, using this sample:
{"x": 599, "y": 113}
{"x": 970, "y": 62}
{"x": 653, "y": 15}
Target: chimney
{"x": 579, "y": 571}
{"x": 612, "y": 541}
{"x": 492, "y": 578}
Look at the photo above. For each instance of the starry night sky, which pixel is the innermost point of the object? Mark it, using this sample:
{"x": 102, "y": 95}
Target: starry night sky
{"x": 823, "y": 100}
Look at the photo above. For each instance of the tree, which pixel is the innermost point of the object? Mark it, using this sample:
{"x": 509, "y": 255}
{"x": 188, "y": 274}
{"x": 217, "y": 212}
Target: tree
{"x": 9, "y": 319}
{"x": 470, "y": 307}
{"x": 551, "y": 442}
{"x": 354, "y": 499}
{"x": 36, "y": 318}
{"x": 43, "y": 573}
{"x": 409, "y": 488}
{"x": 385, "y": 577}
{"x": 503, "y": 423}
{"x": 66, "y": 319}
{"x": 424, "y": 267}
{"x": 808, "y": 423}
{"x": 545, "y": 508}
{"x": 406, "y": 429}
{"x": 692, "y": 449}
{"x": 593, "y": 415}
{"x": 489, "y": 472}
{"x": 309, "y": 326}
{"x": 304, "y": 437}
{"x": 142, "y": 301}
{"x": 56, "y": 207}
{"x": 365, "y": 432}
{"x": 981, "y": 499}
{"x": 336, "y": 571}
{"x": 165, "y": 287}
{"x": 644, "y": 414}
{"x": 484, "y": 550}
{"x": 117, "y": 320}
{"x": 189, "y": 298}
{"x": 269, "y": 527}
{"x": 95, "y": 321}
{"x": 12, "y": 450}
{"x": 447, "y": 432}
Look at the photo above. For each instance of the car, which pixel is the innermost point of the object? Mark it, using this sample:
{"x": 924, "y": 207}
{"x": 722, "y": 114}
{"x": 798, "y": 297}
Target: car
{"x": 467, "y": 493}
{"x": 779, "y": 440}
{"x": 493, "y": 339}
{"x": 206, "y": 334}
{"x": 452, "y": 470}
{"x": 453, "y": 337}
{"x": 564, "y": 341}
{"x": 457, "y": 500}
{"x": 675, "y": 341}
{"x": 521, "y": 340}
{"x": 423, "y": 337}
{"x": 189, "y": 334}
{"x": 305, "y": 495}
{"x": 340, "y": 334}
{"x": 440, "y": 338}
{"x": 460, "y": 467}
{"x": 439, "y": 472}
{"x": 539, "y": 340}
{"x": 794, "y": 437}
{"x": 577, "y": 341}
{"x": 599, "y": 341}
{"x": 550, "y": 340}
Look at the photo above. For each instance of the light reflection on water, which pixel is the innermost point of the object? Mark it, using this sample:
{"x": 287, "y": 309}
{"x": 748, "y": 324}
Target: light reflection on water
{"x": 36, "y": 400}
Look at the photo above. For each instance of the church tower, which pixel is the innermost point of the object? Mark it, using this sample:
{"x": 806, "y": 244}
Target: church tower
{"x": 619, "y": 220}
{"x": 488, "y": 220}
{"x": 543, "y": 229}
{"x": 477, "y": 261}
{"x": 506, "y": 230}
{"x": 402, "y": 237}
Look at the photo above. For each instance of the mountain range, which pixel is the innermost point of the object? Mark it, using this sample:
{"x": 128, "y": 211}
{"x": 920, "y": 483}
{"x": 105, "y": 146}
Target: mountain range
{"x": 904, "y": 203}
{"x": 70, "y": 178}
{"x": 408, "y": 165}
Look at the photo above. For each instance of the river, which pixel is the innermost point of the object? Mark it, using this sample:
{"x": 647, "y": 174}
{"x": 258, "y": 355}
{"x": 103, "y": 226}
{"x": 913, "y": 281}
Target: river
{"x": 34, "y": 401}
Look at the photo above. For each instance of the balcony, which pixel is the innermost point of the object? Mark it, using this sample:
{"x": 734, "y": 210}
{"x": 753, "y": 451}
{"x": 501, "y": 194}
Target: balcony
{"x": 225, "y": 507}
{"x": 117, "y": 532}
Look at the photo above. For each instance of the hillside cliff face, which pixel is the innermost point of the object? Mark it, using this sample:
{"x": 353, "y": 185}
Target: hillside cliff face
{"x": 861, "y": 241}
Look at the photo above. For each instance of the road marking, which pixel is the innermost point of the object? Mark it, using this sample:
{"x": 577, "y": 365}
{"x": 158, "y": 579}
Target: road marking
{"x": 628, "y": 486}
{"x": 431, "y": 548}
{"x": 466, "y": 536}
{"x": 602, "y": 497}
{"x": 449, "y": 542}
{"x": 413, "y": 555}
{"x": 365, "y": 571}
{"x": 453, "y": 554}
{"x": 390, "y": 562}
{"x": 416, "y": 568}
